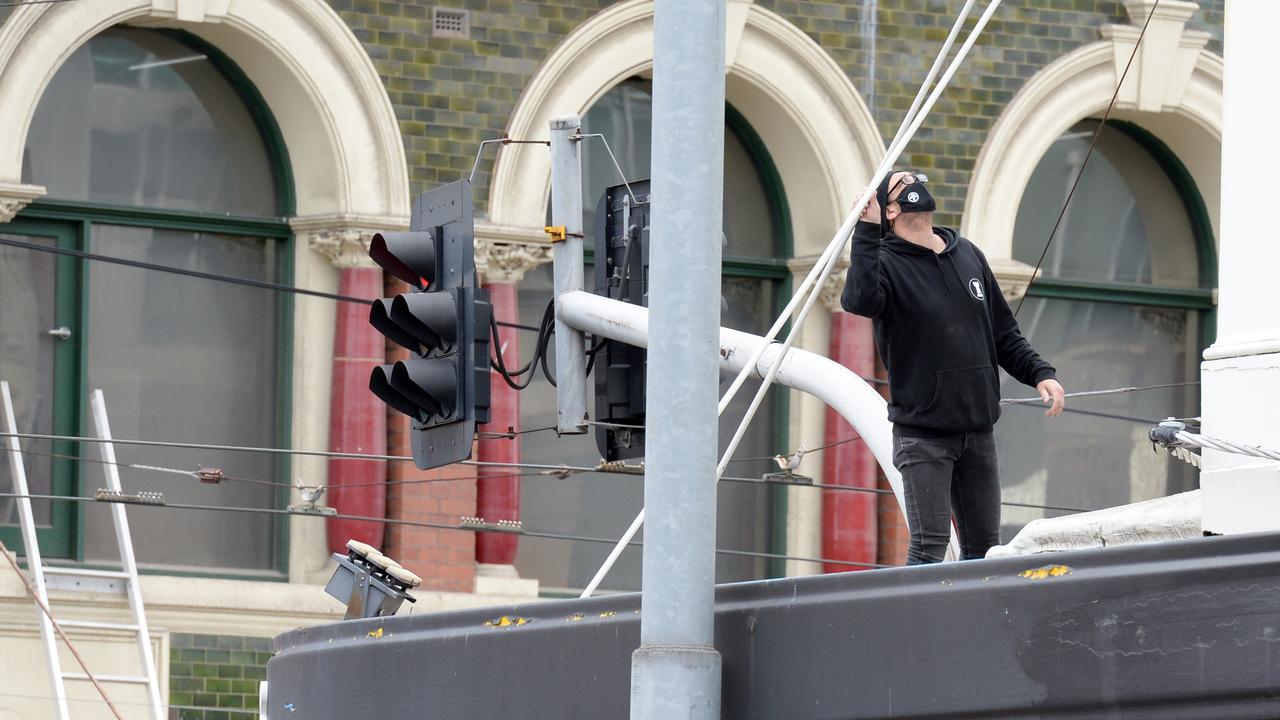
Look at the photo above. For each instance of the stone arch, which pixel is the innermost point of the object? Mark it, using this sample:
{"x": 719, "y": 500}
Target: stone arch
{"x": 818, "y": 130}
{"x": 345, "y": 149}
{"x": 1173, "y": 90}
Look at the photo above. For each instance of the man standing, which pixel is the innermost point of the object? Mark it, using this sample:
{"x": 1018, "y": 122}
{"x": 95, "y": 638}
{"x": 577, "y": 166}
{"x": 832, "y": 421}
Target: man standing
{"x": 942, "y": 327}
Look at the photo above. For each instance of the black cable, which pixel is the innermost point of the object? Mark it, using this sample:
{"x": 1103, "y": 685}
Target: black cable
{"x": 546, "y": 327}
{"x": 1087, "y": 155}
{"x": 262, "y": 284}
{"x": 217, "y": 277}
{"x": 415, "y": 523}
{"x": 623, "y": 285}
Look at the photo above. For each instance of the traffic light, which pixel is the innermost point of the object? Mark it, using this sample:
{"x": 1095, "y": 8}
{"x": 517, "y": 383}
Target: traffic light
{"x": 621, "y": 244}
{"x": 443, "y": 321}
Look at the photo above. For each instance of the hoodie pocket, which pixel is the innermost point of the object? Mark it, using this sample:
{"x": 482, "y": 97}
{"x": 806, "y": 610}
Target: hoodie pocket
{"x": 965, "y": 398}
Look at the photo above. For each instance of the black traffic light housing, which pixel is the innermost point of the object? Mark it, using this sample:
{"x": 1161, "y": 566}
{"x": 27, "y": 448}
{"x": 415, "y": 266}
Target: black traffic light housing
{"x": 621, "y": 245}
{"x": 443, "y": 321}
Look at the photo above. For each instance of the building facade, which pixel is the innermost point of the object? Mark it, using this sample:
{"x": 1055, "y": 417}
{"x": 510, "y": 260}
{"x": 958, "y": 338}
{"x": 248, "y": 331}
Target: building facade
{"x": 268, "y": 140}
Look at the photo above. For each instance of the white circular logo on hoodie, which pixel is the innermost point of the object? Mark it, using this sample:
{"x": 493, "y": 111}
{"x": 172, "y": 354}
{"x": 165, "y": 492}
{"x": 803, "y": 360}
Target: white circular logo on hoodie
{"x": 975, "y": 289}
{"x": 913, "y": 197}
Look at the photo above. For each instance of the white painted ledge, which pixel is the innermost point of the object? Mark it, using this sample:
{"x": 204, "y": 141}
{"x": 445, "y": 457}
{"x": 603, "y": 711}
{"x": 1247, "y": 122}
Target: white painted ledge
{"x": 1176, "y": 517}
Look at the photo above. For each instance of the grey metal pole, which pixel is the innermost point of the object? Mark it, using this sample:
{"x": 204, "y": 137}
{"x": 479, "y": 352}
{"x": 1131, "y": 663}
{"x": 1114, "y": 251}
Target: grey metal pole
{"x": 566, "y": 212}
{"x": 676, "y": 670}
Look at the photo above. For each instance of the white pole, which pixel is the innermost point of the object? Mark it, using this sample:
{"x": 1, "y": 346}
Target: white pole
{"x": 124, "y": 539}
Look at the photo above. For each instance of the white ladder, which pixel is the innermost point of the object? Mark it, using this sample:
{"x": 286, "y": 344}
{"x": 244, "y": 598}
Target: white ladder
{"x": 124, "y": 580}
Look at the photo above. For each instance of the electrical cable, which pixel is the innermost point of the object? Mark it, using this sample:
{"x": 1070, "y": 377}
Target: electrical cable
{"x": 416, "y": 523}
{"x": 559, "y": 471}
{"x": 216, "y": 277}
{"x": 1089, "y": 153}
{"x": 248, "y": 282}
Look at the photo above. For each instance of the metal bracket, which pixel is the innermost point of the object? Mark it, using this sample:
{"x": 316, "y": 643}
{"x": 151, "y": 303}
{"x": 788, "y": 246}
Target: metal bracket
{"x": 142, "y": 498}
{"x": 789, "y": 478}
{"x": 618, "y": 466}
{"x": 504, "y": 526}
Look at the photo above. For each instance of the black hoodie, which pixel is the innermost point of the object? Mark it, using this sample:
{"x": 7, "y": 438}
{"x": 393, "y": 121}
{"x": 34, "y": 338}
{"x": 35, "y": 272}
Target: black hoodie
{"x": 942, "y": 327}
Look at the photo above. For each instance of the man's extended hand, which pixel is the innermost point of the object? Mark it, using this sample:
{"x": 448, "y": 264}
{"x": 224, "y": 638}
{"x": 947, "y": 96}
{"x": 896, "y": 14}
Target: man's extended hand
{"x": 1051, "y": 392}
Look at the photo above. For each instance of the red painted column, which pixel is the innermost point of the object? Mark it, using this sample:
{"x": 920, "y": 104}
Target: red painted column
{"x": 498, "y": 494}
{"x": 849, "y": 518}
{"x": 357, "y": 418}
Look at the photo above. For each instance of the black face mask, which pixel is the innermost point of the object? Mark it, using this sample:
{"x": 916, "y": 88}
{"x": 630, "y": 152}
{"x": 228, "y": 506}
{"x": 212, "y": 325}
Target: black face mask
{"x": 914, "y": 197}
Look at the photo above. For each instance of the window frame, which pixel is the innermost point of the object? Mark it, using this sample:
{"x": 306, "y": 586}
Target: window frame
{"x": 82, "y": 216}
{"x": 1203, "y": 298}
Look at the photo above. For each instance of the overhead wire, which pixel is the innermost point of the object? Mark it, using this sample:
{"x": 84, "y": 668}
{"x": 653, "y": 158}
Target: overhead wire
{"x": 1088, "y": 153}
{"x": 559, "y": 471}
{"x": 415, "y": 523}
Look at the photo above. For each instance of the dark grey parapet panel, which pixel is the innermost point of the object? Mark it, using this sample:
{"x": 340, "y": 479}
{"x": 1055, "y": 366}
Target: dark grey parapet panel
{"x": 1185, "y": 629}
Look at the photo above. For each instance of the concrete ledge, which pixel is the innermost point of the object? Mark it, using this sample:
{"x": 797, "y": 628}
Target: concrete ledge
{"x": 1176, "y": 517}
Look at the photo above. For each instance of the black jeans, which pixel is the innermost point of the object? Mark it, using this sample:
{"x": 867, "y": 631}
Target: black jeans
{"x": 944, "y": 475}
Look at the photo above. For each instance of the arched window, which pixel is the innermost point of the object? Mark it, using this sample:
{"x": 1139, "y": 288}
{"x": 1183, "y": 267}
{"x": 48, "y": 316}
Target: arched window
{"x": 153, "y": 148}
{"x": 1124, "y": 300}
{"x": 755, "y": 274}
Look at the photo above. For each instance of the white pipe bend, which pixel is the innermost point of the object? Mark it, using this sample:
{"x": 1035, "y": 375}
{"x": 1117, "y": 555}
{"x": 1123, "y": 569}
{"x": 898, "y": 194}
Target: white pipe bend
{"x": 825, "y": 379}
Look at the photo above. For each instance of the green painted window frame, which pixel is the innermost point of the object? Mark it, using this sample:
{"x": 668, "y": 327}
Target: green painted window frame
{"x": 1201, "y": 299}
{"x": 777, "y": 269}
{"x": 56, "y": 540}
{"x": 80, "y": 217}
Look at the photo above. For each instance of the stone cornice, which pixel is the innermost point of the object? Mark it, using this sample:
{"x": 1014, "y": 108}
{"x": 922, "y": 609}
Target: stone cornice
{"x": 344, "y": 239}
{"x": 504, "y": 253}
{"x": 15, "y": 196}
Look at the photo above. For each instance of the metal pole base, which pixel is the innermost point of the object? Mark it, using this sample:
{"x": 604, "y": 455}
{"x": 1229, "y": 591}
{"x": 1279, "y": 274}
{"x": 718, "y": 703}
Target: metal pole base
{"x": 675, "y": 681}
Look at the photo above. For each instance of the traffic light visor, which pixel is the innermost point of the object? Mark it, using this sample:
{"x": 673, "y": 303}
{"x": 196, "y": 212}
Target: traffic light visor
{"x": 431, "y": 318}
{"x": 380, "y": 319}
{"x": 410, "y": 256}
{"x": 430, "y": 384}
{"x": 380, "y": 385}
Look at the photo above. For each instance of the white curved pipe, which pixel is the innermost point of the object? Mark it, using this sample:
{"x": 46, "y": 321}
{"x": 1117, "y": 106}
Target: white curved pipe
{"x": 829, "y": 381}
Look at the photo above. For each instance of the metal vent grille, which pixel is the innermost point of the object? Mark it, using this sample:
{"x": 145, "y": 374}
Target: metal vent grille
{"x": 447, "y": 22}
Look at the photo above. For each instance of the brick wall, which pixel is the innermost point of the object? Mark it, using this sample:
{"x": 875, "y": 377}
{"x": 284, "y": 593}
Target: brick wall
{"x": 215, "y": 677}
{"x": 444, "y": 559}
{"x": 450, "y": 93}
{"x": 1021, "y": 39}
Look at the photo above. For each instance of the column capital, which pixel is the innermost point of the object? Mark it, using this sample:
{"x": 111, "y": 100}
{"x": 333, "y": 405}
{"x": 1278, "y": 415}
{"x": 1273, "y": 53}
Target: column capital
{"x": 15, "y": 196}
{"x": 1014, "y": 276}
{"x": 344, "y": 239}
{"x": 504, "y": 253}
{"x": 833, "y": 288}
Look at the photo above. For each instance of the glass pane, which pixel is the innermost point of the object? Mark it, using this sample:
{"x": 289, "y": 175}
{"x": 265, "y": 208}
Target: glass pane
{"x": 186, "y": 360}
{"x": 1126, "y": 222}
{"x": 136, "y": 118}
{"x": 27, "y": 299}
{"x": 624, "y": 116}
{"x": 603, "y": 506}
{"x": 1091, "y": 461}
